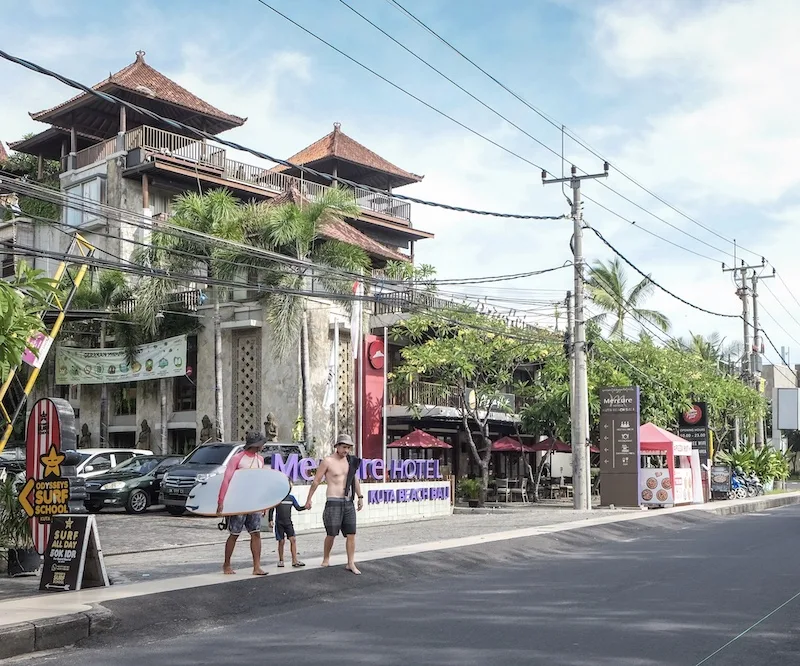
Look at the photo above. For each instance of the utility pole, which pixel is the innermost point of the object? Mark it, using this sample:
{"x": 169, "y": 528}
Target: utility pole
{"x": 569, "y": 340}
{"x": 757, "y": 349}
{"x": 579, "y": 404}
{"x": 743, "y": 292}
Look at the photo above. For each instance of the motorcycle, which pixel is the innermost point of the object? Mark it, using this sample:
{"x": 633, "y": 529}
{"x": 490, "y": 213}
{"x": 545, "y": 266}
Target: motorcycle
{"x": 738, "y": 487}
{"x": 754, "y": 486}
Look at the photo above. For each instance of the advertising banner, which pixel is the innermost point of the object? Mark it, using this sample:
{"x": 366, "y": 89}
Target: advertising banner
{"x": 693, "y": 427}
{"x": 158, "y": 360}
{"x": 619, "y": 446}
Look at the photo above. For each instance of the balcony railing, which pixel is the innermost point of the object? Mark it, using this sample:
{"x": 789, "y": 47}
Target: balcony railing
{"x": 429, "y": 394}
{"x": 188, "y": 300}
{"x": 209, "y": 157}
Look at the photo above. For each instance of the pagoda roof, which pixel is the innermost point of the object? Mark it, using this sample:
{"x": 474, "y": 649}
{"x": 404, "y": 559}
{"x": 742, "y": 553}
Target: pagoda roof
{"x": 145, "y": 86}
{"x": 375, "y": 170}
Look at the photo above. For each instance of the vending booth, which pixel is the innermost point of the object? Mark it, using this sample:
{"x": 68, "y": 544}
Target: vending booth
{"x": 669, "y": 471}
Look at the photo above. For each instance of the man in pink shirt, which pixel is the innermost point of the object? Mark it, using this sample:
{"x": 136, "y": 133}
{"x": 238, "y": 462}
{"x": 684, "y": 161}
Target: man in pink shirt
{"x": 247, "y": 459}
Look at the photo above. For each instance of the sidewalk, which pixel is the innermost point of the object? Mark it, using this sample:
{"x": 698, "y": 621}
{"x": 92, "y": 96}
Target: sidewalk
{"x": 35, "y": 622}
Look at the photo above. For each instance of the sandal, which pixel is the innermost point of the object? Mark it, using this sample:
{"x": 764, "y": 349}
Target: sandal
{"x": 298, "y": 564}
{"x": 280, "y": 564}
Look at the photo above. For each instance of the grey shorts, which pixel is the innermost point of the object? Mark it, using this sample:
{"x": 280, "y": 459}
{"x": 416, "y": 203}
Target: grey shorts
{"x": 339, "y": 516}
{"x": 248, "y": 521}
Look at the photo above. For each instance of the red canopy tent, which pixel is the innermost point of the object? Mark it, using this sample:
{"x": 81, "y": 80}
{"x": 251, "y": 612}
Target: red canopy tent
{"x": 510, "y": 445}
{"x": 419, "y": 439}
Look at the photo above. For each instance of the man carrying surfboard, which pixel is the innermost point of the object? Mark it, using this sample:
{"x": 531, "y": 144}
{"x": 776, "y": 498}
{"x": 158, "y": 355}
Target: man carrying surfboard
{"x": 249, "y": 458}
{"x": 339, "y": 471}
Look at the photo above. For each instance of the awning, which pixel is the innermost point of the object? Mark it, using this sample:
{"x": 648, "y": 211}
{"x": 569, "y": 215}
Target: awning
{"x": 510, "y": 445}
{"x": 557, "y": 446}
{"x": 419, "y": 439}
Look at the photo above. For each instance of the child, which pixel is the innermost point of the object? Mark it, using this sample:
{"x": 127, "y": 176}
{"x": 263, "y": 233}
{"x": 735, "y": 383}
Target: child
{"x": 284, "y": 527}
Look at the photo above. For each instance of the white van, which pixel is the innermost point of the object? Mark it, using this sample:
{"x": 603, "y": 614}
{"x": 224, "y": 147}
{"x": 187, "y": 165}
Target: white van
{"x": 97, "y": 461}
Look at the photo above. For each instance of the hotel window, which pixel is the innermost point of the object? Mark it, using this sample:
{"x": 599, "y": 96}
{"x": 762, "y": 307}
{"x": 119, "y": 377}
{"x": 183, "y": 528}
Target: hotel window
{"x": 80, "y": 210}
{"x": 124, "y": 399}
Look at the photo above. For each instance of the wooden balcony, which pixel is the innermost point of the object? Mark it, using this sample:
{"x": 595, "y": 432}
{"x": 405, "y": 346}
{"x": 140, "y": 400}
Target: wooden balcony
{"x": 205, "y": 158}
{"x": 429, "y": 394}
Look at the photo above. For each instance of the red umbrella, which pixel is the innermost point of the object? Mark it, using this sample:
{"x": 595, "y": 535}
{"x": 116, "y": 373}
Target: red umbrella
{"x": 509, "y": 444}
{"x": 556, "y": 445}
{"x": 419, "y": 439}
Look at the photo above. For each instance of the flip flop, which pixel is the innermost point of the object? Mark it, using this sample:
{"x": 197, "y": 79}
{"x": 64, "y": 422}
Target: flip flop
{"x": 263, "y": 573}
{"x": 298, "y": 564}
{"x": 280, "y": 564}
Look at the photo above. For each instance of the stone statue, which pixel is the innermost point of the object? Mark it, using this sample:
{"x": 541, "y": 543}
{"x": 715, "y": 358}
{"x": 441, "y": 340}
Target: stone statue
{"x": 207, "y": 433}
{"x": 86, "y": 438}
{"x": 271, "y": 428}
{"x": 144, "y": 437}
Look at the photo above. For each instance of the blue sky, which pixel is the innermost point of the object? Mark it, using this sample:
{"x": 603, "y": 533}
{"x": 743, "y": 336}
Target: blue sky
{"x": 690, "y": 98}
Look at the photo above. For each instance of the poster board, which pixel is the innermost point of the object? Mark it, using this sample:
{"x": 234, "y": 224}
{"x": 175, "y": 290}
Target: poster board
{"x": 73, "y": 559}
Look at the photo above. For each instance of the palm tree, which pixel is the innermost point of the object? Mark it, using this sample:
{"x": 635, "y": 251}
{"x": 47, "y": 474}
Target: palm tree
{"x": 294, "y": 228}
{"x": 708, "y": 348}
{"x": 105, "y": 291}
{"x": 608, "y": 288}
{"x": 216, "y": 213}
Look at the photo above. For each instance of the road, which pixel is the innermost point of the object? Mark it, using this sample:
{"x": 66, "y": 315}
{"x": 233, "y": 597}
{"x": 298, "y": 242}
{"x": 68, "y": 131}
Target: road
{"x": 672, "y": 590}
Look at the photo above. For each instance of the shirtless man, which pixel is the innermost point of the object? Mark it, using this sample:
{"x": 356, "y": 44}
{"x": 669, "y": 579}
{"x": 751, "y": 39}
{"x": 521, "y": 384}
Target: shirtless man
{"x": 339, "y": 514}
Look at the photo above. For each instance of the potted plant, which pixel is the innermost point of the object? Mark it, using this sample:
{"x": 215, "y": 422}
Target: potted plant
{"x": 470, "y": 489}
{"x": 15, "y": 532}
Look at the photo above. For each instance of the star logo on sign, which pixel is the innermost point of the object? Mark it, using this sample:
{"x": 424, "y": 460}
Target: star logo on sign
{"x": 68, "y": 523}
{"x": 52, "y": 462}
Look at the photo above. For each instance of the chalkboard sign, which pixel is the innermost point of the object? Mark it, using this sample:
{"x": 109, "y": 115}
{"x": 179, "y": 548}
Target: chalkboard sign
{"x": 73, "y": 559}
{"x": 720, "y": 481}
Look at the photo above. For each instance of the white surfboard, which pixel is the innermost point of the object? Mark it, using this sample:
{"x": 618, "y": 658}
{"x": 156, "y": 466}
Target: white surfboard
{"x": 249, "y": 491}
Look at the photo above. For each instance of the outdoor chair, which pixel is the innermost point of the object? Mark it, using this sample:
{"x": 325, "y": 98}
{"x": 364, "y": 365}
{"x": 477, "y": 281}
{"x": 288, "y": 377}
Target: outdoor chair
{"x": 503, "y": 490}
{"x": 522, "y": 491}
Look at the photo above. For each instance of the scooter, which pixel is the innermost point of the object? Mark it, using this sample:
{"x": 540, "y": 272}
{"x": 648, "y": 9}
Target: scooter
{"x": 738, "y": 488}
{"x": 754, "y": 486}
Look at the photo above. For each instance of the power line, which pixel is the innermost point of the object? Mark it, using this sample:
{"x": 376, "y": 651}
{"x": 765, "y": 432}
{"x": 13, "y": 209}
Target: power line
{"x": 231, "y": 144}
{"x": 560, "y": 126}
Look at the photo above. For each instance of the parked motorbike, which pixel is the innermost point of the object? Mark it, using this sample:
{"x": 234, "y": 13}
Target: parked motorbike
{"x": 754, "y": 486}
{"x": 738, "y": 487}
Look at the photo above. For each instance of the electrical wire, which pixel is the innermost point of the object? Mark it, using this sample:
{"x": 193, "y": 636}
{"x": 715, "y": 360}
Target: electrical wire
{"x": 231, "y": 144}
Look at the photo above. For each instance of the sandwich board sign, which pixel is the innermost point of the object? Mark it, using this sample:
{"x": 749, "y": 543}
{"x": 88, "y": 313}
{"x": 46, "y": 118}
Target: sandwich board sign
{"x": 73, "y": 559}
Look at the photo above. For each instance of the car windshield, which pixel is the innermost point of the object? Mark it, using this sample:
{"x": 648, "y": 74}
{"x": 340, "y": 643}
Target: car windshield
{"x": 166, "y": 464}
{"x": 212, "y": 454}
{"x": 84, "y": 457}
{"x": 139, "y": 464}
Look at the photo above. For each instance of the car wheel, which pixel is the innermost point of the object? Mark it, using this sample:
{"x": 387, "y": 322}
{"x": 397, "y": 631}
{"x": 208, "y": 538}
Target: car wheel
{"x": 137, "y": 502}
{"x": 93, "y": 507}
{"x": 176, "y": 510}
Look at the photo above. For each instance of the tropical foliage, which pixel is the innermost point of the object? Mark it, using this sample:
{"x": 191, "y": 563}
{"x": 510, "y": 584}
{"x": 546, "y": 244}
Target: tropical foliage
{"x": 22, "y": 300}
{"x": 766, "y": 463}
{"x": 21, "y": 164}
{"x": 609, "y": 290}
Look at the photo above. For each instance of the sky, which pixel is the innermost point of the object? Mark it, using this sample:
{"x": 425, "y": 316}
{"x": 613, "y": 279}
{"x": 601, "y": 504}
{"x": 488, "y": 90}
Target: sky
{"x": 693, "y": 99}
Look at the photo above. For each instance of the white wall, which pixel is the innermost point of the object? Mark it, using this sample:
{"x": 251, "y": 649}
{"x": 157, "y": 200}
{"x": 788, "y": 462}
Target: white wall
{"x": 372, "y": 513}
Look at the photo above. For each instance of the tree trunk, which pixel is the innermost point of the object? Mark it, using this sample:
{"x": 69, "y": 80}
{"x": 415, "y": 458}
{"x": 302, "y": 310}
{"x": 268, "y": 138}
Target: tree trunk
{"x": 218, "y": 370}
{"x": 162, "y": 387}
{"x": 305, "y": 381}
{"x": 103, "y": 394}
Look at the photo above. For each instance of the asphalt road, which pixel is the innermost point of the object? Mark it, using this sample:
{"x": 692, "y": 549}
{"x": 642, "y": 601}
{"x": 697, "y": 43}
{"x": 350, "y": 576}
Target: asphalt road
{"x": 675, "y": 590}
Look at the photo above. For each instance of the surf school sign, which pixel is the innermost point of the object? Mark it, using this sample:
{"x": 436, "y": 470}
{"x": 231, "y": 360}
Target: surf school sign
{"x": 303, "y": 469}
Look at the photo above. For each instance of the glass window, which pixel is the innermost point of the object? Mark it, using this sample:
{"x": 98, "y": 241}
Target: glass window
{"x": 78, "y": 211}
{"x": 183, "y": 441}
{"x": 122, "y": 457}
{"x": 124, "y": 397}
{"x": 99, "y": 462}
{"x": 213, "y": 454}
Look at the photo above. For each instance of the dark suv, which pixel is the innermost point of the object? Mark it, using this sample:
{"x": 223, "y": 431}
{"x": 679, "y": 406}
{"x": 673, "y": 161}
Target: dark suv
{"x": 207, "y": 460}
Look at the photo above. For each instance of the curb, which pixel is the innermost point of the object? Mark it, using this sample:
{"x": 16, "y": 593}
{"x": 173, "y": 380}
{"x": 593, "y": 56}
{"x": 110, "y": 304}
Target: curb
{"x": 68, "y": 630}
{"x": 55, "y": 632}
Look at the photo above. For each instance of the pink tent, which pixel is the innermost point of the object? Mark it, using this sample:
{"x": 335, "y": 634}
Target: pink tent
{"x": 419, "y": 439}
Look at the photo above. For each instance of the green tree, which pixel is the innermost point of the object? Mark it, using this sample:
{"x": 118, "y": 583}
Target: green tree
{"x": 22, "y": 301}
{"x": 608, "y": 289}
{"x": 295, "y": 229}
{"x": 472, "y": 359}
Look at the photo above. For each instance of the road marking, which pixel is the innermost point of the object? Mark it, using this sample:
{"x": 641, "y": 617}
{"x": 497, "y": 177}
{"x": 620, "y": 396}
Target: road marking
{"x": 752, "y": 626}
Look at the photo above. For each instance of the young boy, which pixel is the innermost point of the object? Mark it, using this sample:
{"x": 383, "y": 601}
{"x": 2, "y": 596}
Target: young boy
{"x": 284, "y": 528}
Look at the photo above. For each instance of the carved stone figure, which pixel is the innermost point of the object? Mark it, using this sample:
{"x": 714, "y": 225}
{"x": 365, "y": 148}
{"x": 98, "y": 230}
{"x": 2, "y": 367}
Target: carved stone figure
{"x": 144, "y": 437}
{"x": 86, "y": 438}
{"x": 207, "y": 433}
{"x": 271, "y": 428}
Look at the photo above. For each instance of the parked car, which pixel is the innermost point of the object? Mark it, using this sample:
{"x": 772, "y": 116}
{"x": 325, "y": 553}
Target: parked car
{"x": 98, "y": 461}
{"x": 133, "y": 485}
{"x": 12, "y": 459}
{"x": 206, "y": 460}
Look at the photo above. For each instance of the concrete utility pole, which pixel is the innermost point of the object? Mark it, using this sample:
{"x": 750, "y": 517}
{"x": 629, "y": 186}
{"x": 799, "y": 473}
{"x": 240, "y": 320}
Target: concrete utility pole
{"x": 758, "y": 349}
{"x": 743, "y": 292}
{"x": 579, "y": 405}
{"x": 569, "y": 339}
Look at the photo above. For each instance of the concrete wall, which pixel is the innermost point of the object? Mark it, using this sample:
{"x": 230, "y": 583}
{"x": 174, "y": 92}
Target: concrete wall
{"x": 373, "y": 511}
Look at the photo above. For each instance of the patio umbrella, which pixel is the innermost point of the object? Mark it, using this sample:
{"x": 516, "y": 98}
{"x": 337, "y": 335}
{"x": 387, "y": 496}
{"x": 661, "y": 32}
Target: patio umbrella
{"x": 510, "y": 445}
{"x": 556, "y": 445}
{"x": 419, "y": 439}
